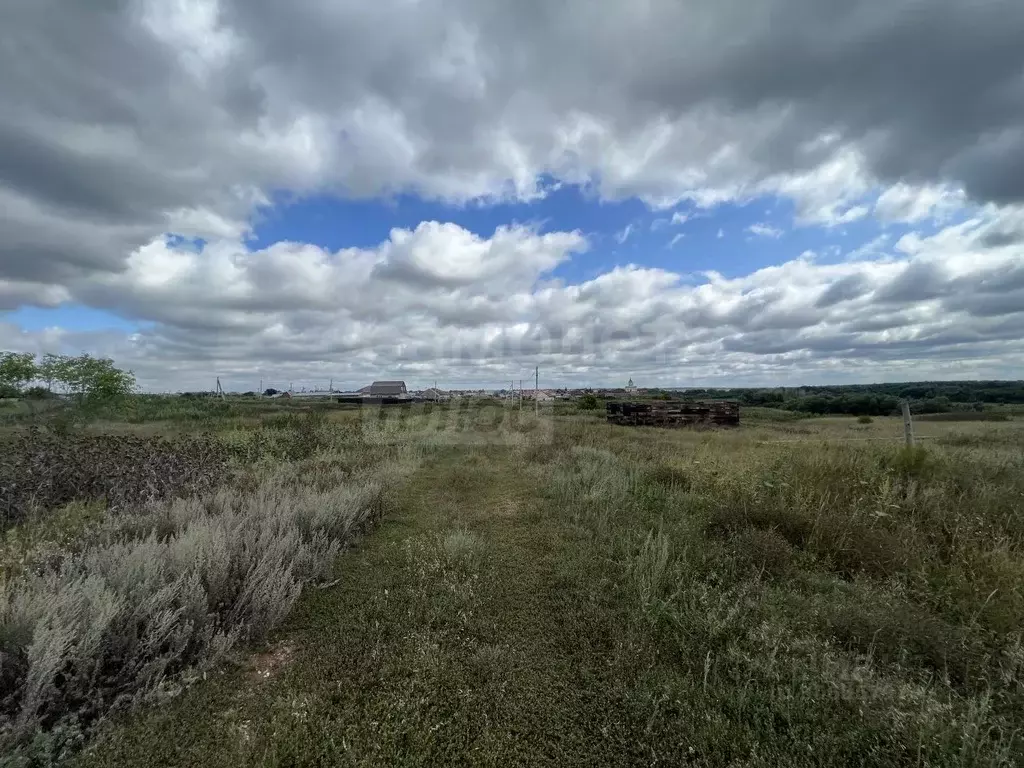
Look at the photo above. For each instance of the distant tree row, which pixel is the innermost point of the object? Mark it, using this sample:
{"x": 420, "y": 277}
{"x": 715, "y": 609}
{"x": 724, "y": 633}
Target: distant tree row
{"x": 84, "y": 376}
{"x": 877, "y": 399}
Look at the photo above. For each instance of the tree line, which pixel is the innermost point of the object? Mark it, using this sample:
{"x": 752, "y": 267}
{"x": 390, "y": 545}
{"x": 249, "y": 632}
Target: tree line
{"x": 877, "y": 399}
{"x": 83, "y": 377}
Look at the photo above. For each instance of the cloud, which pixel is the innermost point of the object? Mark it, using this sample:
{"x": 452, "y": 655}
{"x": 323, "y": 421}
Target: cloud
{"x": 871, "y": 249}
{"x": 903, "y": 203}
{"x": 676, "y": 239}
{"x": 760, "y": 229}
{"x": 121, "y": 122}
{"x": 623, "y": 235}
{"x": 135, "y": 118}
{"x": 721, "y": 233}
{"x": 680, "y": 218}
{"x": 438, "y": 302}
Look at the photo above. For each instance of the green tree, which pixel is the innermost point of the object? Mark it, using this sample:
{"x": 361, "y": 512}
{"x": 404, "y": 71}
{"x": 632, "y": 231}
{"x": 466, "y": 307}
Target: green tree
{"x": 53, "y": 369}
{"x": 16, "y": 370}
{"x": 96, "y": 378}
{"x": 88, "y": 378}
{"x": 588, "y": 402}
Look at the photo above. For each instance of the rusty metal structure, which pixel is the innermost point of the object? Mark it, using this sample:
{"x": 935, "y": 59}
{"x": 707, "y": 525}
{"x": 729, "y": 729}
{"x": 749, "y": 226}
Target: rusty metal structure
{"x": 674, "y": 413}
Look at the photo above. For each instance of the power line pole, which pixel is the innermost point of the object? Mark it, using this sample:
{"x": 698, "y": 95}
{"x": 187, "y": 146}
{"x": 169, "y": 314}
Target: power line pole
{"x": 520, "y": 395}
{"x": 536, "y": 390}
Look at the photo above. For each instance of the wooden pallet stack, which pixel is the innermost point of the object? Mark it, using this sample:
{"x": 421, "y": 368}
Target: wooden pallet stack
{"x": 674, "y": 413}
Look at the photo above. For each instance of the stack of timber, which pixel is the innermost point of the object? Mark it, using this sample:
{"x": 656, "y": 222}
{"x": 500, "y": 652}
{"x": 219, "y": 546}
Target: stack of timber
{"x": 376, "y": 400}
{"x": 674, "y": 413}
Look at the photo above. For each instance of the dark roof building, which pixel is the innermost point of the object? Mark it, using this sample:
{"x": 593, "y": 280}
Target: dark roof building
{"x": 384, "y": 388}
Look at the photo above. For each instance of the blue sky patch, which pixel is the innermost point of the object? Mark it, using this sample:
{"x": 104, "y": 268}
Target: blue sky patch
{"x": 74, "y": 317}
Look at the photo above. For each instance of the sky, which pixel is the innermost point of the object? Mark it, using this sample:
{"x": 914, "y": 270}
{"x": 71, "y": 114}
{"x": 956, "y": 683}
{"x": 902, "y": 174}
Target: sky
{"x": 681, "y": 192}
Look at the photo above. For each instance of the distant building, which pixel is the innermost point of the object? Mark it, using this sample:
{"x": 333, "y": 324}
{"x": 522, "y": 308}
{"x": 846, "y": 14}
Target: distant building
{"x": 434, "y": 394}
{"x": 385, "y": 389}
{"x": 630, "y": 388}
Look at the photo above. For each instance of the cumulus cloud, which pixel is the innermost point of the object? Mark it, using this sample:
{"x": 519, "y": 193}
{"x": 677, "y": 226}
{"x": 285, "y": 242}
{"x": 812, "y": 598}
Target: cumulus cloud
{"x": 123, "y": 121}
{"x": 426, "y": 304}
{"x": 908, "y": 204}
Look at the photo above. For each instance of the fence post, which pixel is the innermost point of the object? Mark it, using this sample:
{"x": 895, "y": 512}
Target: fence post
{"x": 908, "y": 425}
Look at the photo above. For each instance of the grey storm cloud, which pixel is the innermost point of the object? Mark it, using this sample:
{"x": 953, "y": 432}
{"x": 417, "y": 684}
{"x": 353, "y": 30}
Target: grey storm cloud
{"x": 124, "y": 120}
{"x": 119, "y": 114}
{"x": 844, "y": 289}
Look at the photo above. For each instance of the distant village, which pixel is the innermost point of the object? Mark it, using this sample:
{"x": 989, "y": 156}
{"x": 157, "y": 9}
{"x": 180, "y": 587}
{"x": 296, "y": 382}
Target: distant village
{"x": 397, "y": 389}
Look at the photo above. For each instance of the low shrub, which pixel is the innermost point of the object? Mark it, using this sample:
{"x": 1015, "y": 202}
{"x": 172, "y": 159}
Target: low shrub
{"x": 669, "y": 476}
{"x": 899, "y": 633}
{"x": 159, "y": 594}
{"x": 865, "y": 419}
{"x": 762, "y": 552}
{"x": 789, "y": 523}
{"x": 42, "y": 470}
{"x": 910, "y": 462}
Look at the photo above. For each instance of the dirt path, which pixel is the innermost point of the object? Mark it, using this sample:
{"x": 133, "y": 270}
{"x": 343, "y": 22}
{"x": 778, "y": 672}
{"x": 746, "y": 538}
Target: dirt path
{"x": 469, "y": 629}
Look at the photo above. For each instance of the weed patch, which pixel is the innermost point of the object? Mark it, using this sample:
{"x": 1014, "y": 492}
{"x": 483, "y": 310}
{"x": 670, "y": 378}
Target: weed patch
{"x": 41, "y": 470}
{"x": 158, "y": 594}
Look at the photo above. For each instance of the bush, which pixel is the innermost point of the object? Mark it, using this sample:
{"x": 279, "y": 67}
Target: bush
{"x": 911, "y": 461}
{"x": 41, "y": 470}
{"x": 670, "y": 476}
{"x": 156, "y": 597}
{"x": 588, "y": 403}
{"x": 763, "y": 551}
{"x": 865, "y": 419}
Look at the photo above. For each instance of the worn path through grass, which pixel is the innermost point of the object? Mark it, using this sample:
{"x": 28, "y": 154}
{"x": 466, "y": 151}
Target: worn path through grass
{"x": 472, "y": 628}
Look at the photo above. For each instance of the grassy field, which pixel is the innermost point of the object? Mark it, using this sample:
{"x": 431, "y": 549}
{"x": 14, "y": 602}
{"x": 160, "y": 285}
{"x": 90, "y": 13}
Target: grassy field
{"x": 477, "y": 586}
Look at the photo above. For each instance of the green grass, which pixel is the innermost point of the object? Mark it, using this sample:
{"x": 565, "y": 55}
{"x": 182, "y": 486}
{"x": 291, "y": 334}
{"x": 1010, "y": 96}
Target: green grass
{"x": 443, "y": 645}
{"x": 556, "y": 591}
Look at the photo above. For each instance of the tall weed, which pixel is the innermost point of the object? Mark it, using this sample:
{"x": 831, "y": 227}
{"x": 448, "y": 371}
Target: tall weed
{"x": 159, "y": 594}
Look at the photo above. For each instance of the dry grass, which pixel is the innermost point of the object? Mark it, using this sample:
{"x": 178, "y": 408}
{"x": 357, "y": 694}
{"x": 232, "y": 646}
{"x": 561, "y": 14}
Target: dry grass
{"x": 97, "y": 617}
{"x": 552, "y": 590}
{"x": 795, "y": 569}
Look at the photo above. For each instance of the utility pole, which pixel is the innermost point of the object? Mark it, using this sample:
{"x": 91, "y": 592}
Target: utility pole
{"x": 536, "y": 390}
{"x": 220, "y": 390}
{"x": 520, "y": 395}
{"x": 261, "y": 388}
